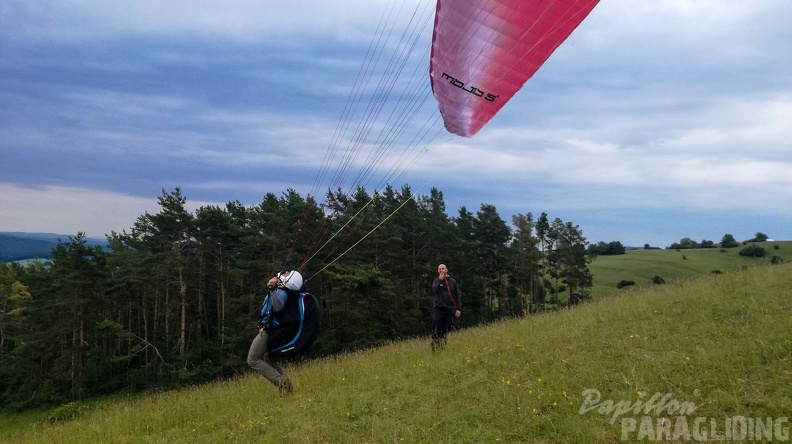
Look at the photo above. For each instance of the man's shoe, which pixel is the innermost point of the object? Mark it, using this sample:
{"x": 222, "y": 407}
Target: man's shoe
{"x": 285, "y": 388}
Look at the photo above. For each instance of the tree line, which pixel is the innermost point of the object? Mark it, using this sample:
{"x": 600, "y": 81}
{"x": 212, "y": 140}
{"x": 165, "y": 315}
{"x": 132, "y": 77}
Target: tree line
{"x": 173, "y": 300}
{"x": 727, "y": 241}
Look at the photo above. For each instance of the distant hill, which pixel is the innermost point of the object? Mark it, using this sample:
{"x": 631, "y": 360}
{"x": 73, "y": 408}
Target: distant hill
{"x": 16, "y": 246}
{"x": 640, "y": 266}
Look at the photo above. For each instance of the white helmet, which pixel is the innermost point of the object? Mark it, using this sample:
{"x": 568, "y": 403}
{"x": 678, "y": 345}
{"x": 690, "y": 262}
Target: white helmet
{"x": 292, "y": 280}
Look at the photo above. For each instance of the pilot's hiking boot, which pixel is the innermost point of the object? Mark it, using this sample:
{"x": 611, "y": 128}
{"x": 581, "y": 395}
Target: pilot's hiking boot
{"x": 285, "y": 387}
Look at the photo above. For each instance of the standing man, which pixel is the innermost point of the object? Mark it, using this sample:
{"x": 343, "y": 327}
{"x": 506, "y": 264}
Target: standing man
{"x": 446, "y": 304}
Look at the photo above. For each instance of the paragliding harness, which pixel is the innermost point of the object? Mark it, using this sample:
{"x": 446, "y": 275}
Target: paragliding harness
{"x": 293, "y": 329}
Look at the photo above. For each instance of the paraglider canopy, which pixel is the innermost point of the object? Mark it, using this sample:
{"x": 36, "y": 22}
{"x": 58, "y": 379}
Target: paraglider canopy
{"x": 483, "y": 51}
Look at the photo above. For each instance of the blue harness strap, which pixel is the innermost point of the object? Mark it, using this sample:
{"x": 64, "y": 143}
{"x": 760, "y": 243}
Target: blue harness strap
{"x": 301, "y": 305}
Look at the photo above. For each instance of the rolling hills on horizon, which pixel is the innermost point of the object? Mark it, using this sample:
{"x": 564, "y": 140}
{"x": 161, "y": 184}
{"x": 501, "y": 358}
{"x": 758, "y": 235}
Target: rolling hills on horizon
{"x": 16, "y": 245}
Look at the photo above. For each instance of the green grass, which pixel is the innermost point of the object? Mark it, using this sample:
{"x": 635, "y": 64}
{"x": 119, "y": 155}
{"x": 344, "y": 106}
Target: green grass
{"x": 641, "y": 266}
{"x": 21, "y": 421}
{"x": 720, "y": 342}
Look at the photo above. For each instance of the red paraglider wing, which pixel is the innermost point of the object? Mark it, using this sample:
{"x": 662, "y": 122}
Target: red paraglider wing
{"x": 483, "y": 51}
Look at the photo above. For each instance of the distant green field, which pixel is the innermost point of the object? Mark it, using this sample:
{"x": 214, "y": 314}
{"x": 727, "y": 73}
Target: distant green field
{"x": 641, "y": 266}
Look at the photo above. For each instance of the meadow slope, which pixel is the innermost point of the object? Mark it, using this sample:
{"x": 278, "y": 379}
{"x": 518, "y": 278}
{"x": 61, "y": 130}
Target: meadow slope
{"x": 641, "y": 266}
{"x": 721, "y": 343}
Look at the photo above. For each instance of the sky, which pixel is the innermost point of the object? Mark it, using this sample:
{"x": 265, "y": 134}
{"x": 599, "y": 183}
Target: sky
{"x": 656, "y": 120}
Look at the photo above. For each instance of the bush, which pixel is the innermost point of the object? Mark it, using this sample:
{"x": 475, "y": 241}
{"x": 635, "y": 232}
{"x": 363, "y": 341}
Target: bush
{"x": 66, "y": 412}
{"x": 624, "y": 283}
{"x": 775, "y": 260}
{"x": 753, "y": 251}
{"x": 576, "y": 298}
{"x": 715, "y": 272}
{"x": 658, "y": 280}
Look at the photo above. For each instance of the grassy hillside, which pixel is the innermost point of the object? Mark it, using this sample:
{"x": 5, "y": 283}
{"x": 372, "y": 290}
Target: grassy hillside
{"x": 719, "y": 343}
{"x": 641, "y": 266}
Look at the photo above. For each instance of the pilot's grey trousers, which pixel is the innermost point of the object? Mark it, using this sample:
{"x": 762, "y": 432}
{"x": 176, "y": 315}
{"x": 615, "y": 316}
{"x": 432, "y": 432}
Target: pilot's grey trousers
{"x": 259, "y": 360}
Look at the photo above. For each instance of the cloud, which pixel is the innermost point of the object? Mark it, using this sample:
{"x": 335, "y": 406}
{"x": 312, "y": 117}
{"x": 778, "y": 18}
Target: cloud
{"x": 233, "y": 19}
{"x": 63, "y": 210}
{"x": 668, "y": 104}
